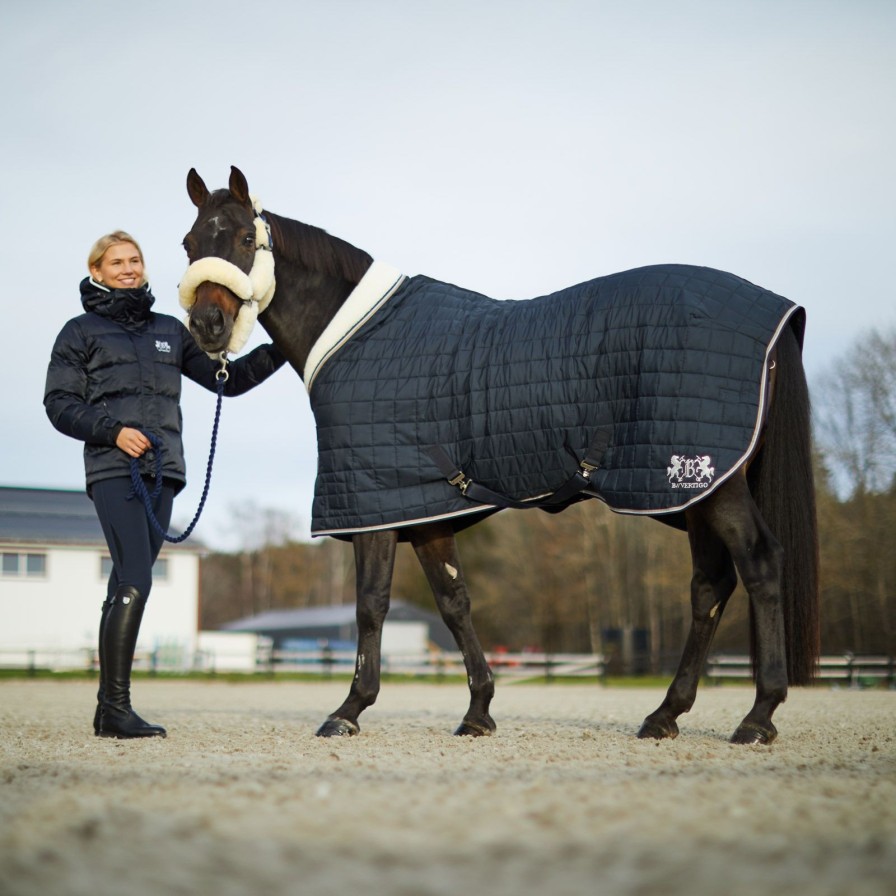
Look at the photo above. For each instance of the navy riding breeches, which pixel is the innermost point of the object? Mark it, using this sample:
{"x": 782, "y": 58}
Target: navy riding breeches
{"x": 133, "y": 541}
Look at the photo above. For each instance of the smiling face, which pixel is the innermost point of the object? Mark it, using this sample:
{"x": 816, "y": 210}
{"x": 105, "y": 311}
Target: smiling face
{"x": 121, "y": 267}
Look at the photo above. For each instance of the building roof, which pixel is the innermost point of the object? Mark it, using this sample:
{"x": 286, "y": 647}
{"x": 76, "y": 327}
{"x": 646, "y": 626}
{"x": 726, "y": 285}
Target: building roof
{"x": 49, "y": 516}
{"x": 308, "y": 617}
{"x": 274, "y": 622}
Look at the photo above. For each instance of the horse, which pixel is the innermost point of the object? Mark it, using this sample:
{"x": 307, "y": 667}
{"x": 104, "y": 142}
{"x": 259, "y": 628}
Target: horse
{"x": 758, "y": 521}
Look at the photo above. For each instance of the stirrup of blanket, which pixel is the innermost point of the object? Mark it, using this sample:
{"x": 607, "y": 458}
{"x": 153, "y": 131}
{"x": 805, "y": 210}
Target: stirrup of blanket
{"x": 481, "y": 494}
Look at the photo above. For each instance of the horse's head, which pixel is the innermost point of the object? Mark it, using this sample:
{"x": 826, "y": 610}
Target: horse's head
{"x": 231, "y": 273}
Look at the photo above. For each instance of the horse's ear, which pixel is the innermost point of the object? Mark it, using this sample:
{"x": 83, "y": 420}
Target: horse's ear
{"x": 238, "y": 186}
{"x": 196, "y": 188}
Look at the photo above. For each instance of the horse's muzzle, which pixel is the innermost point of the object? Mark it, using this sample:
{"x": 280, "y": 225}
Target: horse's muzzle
{"x": 212, "y": 316}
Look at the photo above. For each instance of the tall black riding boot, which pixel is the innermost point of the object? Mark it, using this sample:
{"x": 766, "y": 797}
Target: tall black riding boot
{"x": 107, "y": 603}
{"x": 119, "y": 638}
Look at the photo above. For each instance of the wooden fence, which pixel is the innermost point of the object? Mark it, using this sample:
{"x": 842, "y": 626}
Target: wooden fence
{"x": 852, "y": 671}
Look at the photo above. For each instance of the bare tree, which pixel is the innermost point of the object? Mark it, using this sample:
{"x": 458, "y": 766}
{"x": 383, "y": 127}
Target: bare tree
{"x": 855, "y": 415}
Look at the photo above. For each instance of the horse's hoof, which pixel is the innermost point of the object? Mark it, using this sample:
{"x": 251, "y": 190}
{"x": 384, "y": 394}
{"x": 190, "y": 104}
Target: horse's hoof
{"x": 473, "y": 729}
{"x": 338, "y": 728}
{"x": 751, "y": 733}
{"x": 656, "y": 731}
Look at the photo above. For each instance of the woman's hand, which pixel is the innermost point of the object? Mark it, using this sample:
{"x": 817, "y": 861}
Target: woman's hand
{"x": 132, "y": 441}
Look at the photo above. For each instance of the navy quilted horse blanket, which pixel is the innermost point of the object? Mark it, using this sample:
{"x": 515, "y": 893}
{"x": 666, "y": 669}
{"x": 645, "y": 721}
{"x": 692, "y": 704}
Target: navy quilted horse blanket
{"x": 656, "y": 377}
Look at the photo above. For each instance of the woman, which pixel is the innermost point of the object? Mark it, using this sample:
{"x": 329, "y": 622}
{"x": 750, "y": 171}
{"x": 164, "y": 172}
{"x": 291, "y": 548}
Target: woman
{"x": 114, "y": 377}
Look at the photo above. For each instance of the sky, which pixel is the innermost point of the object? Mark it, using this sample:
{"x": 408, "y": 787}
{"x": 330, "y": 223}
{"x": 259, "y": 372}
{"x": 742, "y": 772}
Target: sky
{"x": 513, "y": 148}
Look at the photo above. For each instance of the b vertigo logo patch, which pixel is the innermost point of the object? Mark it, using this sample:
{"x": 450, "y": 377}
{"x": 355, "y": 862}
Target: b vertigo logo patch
{"x": 163, "y": 346}
{"x": 690, "y": 472}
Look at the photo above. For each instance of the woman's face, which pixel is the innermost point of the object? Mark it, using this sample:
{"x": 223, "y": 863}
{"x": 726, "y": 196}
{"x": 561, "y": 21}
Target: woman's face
{"x": 119, "y": 268}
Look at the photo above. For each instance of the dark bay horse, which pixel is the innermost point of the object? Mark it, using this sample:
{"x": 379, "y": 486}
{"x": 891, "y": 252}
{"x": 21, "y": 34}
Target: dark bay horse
{"x": 759, "y": 523}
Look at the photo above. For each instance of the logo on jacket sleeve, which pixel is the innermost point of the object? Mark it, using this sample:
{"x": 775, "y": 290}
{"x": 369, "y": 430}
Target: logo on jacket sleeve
{"x": 690, "y": 472}
{"x": 162, "y": 345}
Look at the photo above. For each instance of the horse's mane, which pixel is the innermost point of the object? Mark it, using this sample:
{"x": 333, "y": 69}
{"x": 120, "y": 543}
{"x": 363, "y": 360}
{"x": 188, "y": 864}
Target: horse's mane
{"x": 315, "y": 250}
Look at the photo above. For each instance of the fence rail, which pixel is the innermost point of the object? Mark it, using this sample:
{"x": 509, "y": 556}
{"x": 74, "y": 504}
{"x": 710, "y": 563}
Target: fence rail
{"x": 441, "y": 664}
{"x": 322, "y": 661}
{"x": 854, "y": 671}
{"x": 848, "y": 669}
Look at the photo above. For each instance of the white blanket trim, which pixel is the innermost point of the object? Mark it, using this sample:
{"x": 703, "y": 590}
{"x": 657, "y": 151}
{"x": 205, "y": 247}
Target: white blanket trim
{"x": 374, "y": 289}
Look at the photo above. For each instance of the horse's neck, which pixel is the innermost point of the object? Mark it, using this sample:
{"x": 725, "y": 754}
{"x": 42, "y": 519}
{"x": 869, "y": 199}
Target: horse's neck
{"x": 300, "y": 311}
{"x": 306, "y": 299}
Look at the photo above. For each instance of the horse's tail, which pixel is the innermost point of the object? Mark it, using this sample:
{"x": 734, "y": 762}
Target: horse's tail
{"x": 782, "y": 484}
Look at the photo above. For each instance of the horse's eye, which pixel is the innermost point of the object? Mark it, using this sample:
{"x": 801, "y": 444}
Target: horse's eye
{"x": 249, "y": 240}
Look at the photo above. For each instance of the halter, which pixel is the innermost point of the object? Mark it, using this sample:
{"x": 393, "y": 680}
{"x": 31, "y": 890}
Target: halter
{"x": 255, "y": 289}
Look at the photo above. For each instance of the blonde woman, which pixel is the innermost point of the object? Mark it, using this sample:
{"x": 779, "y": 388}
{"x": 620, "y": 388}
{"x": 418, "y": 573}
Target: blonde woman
{"x": 114, "y": 376}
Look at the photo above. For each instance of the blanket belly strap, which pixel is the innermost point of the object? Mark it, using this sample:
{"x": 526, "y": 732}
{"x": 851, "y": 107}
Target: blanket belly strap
{"x": 481, "y": 494}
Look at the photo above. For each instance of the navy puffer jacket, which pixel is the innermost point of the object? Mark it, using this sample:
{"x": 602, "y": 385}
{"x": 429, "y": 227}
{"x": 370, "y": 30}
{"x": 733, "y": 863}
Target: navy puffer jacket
{"x": 119, "y": 364}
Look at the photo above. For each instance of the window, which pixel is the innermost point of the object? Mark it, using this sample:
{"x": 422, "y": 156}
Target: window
{"x": 32, "y": 566}
{"x": 159, "y": 569}
{"x": 35, "y": 564}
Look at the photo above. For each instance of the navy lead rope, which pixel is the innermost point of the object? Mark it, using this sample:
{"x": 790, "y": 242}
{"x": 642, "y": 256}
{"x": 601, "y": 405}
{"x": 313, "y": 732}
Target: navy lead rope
{"x": 139, "y": 487}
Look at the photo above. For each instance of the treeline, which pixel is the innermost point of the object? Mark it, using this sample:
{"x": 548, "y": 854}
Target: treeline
{"x": 588, "y": 579}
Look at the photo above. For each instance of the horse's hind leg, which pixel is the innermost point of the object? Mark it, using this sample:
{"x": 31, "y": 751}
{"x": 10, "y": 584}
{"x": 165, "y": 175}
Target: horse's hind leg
{"x": 437, "y": 551}
{"x": 712, "y": 583}
{"x": 374, "y": 563}
{"x": 732, "y": 515}
{"x": 759, "y": 560}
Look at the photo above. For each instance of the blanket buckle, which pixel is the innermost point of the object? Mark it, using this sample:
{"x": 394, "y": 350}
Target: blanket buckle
{"x": 460, "y": 480}
{"x": 587, "y": 469}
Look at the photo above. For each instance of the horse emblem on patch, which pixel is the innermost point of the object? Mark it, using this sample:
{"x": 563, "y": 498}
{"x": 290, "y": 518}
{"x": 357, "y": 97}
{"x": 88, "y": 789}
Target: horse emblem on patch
{"x": 690, "y": 472}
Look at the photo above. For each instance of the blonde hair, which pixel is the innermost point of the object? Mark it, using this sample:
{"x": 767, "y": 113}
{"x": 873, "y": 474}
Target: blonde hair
{"x": 104, "y": 243}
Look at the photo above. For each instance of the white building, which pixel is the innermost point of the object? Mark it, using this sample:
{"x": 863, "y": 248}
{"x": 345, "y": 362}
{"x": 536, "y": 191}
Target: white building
{"x": 407, "y": 629}
{"x": 55, "y": 567}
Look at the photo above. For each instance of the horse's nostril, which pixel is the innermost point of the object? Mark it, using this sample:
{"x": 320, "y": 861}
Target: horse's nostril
{"x": 216, "y": 321}
{"x": 210, "y": 327}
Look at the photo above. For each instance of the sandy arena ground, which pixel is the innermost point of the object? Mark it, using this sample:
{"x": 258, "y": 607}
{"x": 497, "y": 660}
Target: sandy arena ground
{"x": 242, "y": 798}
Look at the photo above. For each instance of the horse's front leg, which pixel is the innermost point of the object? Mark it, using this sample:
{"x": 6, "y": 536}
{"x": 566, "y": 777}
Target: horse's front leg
{"x": 437, "y": 551}
{"x": 374, "y": 563}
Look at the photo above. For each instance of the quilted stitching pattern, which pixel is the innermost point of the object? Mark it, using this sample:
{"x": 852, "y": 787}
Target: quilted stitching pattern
{"x": 670, "y": 356}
